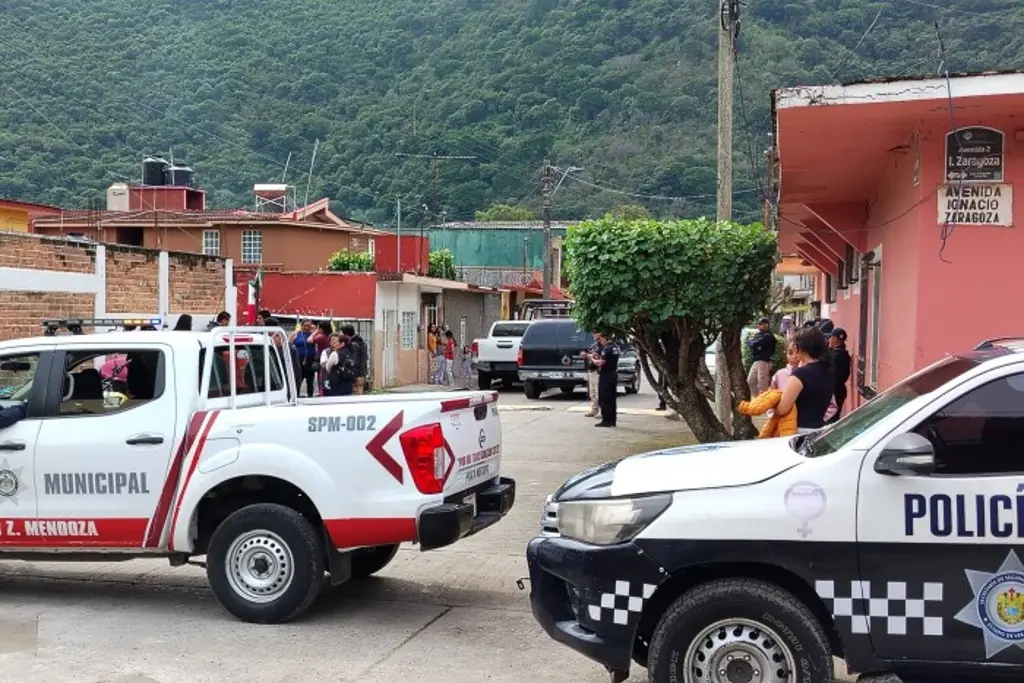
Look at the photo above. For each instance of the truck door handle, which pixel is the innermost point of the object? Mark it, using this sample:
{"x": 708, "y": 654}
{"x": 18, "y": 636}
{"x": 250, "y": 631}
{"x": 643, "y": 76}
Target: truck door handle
{"x": 144, "y": 440}
{"x": 12, "y": 446}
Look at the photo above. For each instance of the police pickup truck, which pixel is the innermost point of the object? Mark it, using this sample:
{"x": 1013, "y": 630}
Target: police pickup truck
{"x": 891, "y": 539}
{"x": 184, "y": 444}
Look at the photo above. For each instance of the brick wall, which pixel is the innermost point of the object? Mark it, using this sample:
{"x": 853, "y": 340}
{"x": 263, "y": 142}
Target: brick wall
{"x": 197, "y": 284}
{"x": 68, "y": 284}
{"x": 133, "y": 284}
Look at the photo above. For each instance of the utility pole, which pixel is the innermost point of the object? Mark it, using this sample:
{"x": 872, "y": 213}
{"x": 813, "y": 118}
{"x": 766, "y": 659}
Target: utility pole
{"x": 728, "y": 30}
{"x": 435, "y": 158}
{"x": 547, "y": 187}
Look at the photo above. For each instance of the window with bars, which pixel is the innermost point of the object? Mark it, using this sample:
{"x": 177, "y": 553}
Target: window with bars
{"x": 252, "y": 246}
{"x": 211, "y": 242}
{"x": 408, "y": 330}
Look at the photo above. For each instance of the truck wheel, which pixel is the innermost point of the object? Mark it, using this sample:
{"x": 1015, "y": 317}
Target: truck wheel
{"x": 265, "y": 563}
{"x": 532, "y": 389}
{"x": 634, "y": 386}
{"x": 568, "y": 390}
{"x": 739, "y": 630}
{"x": 369, "y": 561}
{"x": 483, "y": 380}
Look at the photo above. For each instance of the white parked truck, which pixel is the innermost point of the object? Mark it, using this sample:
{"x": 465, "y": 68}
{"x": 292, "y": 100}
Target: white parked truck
{"x": 497, "y": 355}
{"x": 187, "y": 444}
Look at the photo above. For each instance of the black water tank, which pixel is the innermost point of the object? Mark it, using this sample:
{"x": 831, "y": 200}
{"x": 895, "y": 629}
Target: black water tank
{"x": 153, "y": 170}
{"x": 179, "y": 175}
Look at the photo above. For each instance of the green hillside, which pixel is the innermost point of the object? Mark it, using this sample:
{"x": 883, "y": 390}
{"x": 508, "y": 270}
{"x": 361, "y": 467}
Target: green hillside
{"x": 624, "y": 88}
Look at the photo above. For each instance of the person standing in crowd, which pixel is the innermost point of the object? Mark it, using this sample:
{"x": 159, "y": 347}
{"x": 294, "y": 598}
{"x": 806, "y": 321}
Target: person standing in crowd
{"x": 360, "y": 354}
{"x": 467, "y": 366}
{"x": 811, "y": 386}
{"x": 341, "y": 367}
{"x": 781, "y": 378}
{"x": 184, "y": 323}
{"x": 223, "y": 319}
{"x": 449, "y": 358}
{"x": 432, "y": 357}
{"x": 841, "y": 365}
{"x": 261, "y": 317}
{"x": 302, "y": 339}
{"x": 321, "y": 339}
{"x": 592, "y": 374}
{"x": 762, "y": 348}
{"x": 607, "y": 363}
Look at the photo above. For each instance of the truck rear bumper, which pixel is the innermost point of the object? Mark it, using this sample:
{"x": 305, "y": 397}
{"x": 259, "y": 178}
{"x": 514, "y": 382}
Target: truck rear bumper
{"x": 455, "y": 519}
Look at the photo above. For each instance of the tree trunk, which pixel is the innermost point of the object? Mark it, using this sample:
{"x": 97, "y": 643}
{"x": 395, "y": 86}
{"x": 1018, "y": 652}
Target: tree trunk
{"x": 742, "y": 426}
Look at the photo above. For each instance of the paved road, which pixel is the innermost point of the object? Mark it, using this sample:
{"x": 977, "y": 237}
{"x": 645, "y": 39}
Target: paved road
{"x": 449, "y": 615}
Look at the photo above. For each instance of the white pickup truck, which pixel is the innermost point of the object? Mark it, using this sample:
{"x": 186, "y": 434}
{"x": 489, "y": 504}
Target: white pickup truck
{"x": 146, "y": 444}
{"x": 497, "y": 355}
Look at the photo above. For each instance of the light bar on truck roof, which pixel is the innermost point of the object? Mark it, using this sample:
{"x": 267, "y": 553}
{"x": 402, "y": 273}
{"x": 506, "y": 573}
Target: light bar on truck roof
{"x": 75, "y": 325}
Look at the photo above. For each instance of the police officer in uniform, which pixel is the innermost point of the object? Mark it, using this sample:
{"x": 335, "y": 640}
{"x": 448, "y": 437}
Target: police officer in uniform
{"x": 607, "y": 363}
{"x": 592, "y": 375}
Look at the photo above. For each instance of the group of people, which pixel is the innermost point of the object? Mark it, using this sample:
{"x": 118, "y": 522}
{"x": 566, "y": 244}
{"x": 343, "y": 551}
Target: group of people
{"x": 441, "y": 350}
{"x": 327, "y": 363}
{"x": 815, "y": 376}
{"x": 602, "y": 361}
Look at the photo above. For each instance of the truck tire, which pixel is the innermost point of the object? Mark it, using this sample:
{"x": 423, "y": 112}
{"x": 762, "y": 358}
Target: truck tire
{"x": 265, "y": 563}
{"x": 568, "y": 391}
{"x": 532, "y": 389}
{"x": 634, "y": 386}
{"x": 483, "y": 380}
{"x": 739, "y": 626}
{"x": 368, "y": 561}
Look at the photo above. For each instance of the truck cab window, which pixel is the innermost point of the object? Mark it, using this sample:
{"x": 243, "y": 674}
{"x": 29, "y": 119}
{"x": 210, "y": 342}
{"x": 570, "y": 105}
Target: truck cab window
{"x": 17, "y": 375}
{"x": 249, "y": 370}
{"x": 101, "y": 382}
{"x": 980, "y": 432}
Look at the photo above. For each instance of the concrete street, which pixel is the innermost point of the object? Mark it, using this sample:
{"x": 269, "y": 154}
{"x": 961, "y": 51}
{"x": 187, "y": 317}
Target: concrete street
{"x": 448, "y": 615}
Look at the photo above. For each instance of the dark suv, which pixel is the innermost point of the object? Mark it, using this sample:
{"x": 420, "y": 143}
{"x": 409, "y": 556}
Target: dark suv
{"x": 549, "y": 357}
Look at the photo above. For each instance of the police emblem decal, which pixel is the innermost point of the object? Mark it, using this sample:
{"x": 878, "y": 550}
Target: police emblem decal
{"x": 998, "y": 605}
{"x": 806, "y": 501}
{"x": 10, "y": 483}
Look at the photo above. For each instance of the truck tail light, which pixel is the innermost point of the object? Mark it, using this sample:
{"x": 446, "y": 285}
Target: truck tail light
{"x": 427, "y": 456}
{"x": 475, "y": 349}
{"x": 519, "y": 357}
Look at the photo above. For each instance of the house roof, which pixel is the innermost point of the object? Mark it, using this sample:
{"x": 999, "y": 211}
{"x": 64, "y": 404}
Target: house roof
{"x": 31, "y": 207}
{"x": 312, "y": 216}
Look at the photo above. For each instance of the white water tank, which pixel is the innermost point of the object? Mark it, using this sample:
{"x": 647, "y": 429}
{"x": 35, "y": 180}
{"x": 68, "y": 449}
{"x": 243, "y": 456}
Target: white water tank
{"x": 117, "y": 197}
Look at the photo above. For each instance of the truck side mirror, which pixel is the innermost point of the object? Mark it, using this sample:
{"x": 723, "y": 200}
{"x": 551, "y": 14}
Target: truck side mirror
{"x": 907, "y": 454}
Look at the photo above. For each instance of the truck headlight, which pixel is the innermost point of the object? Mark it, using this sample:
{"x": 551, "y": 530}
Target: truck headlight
{"x": 611, "y": 520}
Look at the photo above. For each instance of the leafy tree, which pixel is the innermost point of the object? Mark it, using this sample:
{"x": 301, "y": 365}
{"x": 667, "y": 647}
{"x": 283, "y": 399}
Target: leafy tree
{"x": 505, "y": 212}
{"x": 674, "y": 286}
{"x": 442, "y": 264}
{"x": 346, "y": 261}
{"x": 630, "y": 212}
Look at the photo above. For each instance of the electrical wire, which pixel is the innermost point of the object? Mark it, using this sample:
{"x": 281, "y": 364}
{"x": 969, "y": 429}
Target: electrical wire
{"x": 755, "y": 167}
{"x": 853, "y": 52}
{"x": 652, "y": 196}
{"x": 947, "y": 226}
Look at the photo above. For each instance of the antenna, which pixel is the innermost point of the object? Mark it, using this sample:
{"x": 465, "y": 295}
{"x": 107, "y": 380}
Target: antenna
{"x": 289, "y": 161}
{"x": 309, "y": 180}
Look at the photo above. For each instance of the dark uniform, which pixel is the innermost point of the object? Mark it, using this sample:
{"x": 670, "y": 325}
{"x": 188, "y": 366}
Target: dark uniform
{"x": 607, "y": 385}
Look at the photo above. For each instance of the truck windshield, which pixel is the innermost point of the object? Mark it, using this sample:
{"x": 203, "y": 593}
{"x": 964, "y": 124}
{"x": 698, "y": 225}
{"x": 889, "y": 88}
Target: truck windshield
{"x": 509, "y": 329}
{"x": 832, "y": 438}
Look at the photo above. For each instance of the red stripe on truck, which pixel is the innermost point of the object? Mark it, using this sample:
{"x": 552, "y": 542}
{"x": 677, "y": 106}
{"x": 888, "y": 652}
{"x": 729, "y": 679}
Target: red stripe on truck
{"x": 194, "y": 462}
{"x": 352, "y": 533}
{"x": 79, "y": 532}
{"x": 163, "y": 506}
{"x": 375, "y": 446}
{"x": 468, "y": 402}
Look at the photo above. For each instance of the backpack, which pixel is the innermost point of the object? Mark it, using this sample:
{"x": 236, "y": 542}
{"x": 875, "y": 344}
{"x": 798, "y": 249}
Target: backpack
{"x": 346, "y": 367}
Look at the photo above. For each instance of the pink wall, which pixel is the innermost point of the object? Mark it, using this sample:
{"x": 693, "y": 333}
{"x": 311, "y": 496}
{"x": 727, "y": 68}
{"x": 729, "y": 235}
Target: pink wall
{"x": 975, "y": 295}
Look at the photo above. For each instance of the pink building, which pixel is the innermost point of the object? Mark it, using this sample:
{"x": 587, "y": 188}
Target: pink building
{"x": 901, "y": 193}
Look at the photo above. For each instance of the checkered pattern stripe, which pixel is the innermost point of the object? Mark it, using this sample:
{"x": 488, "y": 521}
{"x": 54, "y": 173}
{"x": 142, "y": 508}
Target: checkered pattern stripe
{"x": 890, "y": 605}
{"x": 627, "y": 599}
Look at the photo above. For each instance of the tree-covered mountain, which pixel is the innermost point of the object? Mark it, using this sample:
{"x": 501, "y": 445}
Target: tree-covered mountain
{"x": 625, "y": 89}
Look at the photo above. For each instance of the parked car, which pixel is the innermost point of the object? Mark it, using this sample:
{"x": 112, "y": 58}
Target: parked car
{"x": 549, "y": 358}
{"x": 890, "y": 539}
{"x": 205, "y": 452}
{"x": 496, "y": 356}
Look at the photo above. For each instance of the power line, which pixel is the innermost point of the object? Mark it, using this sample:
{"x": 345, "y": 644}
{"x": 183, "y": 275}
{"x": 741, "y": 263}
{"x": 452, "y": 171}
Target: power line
{"x": 860, "y": 42}
{"x": 652, "y": 196}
